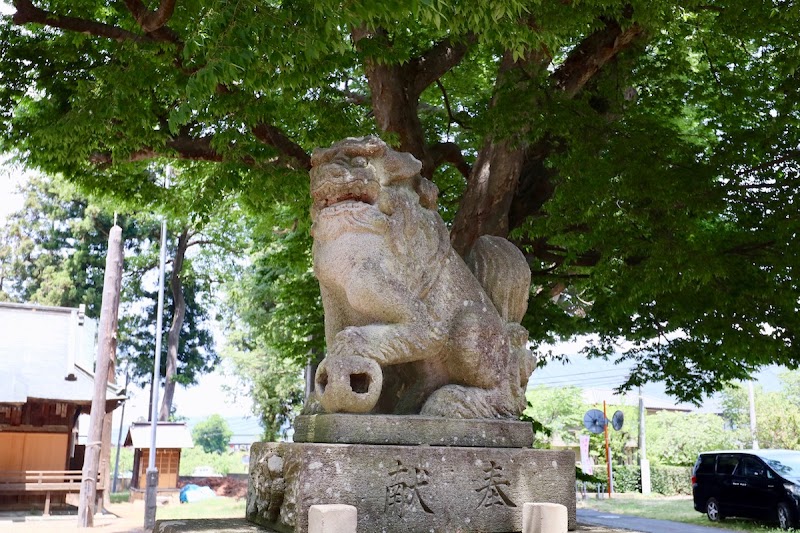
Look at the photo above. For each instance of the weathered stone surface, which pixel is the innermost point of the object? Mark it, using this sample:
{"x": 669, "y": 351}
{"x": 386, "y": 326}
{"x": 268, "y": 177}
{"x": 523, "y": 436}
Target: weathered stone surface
{"x": 409, "y": 327}
{"x": 404, "y": 489}
{"x": 216, "y": 525}
{"x": 412, "y": 430}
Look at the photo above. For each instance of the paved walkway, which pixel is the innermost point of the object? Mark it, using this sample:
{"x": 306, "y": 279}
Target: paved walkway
{"x": 639, "y": 524}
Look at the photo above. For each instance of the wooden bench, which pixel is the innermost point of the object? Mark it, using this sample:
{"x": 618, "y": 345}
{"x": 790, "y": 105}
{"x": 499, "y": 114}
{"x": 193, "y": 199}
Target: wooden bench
{"x": 42, "y": 481}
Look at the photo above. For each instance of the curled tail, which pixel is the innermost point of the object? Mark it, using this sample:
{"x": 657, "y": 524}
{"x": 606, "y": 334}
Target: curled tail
{"x": 504, "y": 274}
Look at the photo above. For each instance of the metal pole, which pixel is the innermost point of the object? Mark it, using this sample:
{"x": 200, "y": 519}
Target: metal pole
{"x": 752, "y": 415}
{"x": 152, "y": 471}
{"x": 608, "y": 450}
{"x": 644, "y": 464}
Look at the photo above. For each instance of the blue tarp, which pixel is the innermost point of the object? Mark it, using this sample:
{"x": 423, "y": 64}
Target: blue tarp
{"x": 195, "y": 493}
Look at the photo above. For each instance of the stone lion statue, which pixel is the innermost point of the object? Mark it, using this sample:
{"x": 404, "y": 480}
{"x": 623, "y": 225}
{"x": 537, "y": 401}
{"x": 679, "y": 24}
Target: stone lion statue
{"x": 410, "y": 328}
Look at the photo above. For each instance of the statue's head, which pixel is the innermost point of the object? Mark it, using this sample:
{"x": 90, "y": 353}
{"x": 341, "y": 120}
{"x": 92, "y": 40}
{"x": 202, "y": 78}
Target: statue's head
{"x": 360, "y": 171}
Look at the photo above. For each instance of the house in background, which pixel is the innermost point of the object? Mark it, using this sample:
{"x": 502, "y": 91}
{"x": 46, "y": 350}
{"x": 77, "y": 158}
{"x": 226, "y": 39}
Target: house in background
{"x": 171, "y": 438}
{"x": 46, "y": 370}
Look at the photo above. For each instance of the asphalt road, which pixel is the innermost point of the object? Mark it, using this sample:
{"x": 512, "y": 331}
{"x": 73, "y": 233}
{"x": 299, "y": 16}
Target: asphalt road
{"x": 639, "y": 524}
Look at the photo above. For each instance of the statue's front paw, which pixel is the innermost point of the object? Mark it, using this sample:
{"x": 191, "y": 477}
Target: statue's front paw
{"x": 352, "y": 342}
{"x": 348, "y": 384}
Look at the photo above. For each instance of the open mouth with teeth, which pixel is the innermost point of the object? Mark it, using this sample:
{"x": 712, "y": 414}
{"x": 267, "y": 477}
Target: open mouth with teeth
{"x": 346, "y": 194}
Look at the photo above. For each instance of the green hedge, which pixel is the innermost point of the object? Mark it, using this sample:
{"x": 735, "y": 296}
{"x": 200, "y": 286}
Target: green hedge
{"x": 627, "y": 479}
{"x": 670, "y": 480}
{"x": 666, "y": 480}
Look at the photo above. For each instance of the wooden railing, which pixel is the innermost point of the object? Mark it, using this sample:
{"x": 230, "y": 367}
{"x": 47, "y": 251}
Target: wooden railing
{"x": 42, "y": 481}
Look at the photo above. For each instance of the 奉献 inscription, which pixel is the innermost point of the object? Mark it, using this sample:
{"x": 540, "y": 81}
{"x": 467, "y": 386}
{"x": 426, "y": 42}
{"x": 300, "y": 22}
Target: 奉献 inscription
{"x": 403, "y": 490}
{"x": 492, "y": 493}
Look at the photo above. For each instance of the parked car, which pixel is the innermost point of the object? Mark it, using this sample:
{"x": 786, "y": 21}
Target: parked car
{"x": 760, "y": 484}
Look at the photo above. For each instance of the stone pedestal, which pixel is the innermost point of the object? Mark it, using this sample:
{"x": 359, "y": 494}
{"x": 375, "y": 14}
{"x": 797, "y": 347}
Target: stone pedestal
{"x": 412, "y": 430}
{"x": 408, "y": 489}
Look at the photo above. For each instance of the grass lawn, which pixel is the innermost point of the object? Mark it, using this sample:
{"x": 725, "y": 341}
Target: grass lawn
{"x": 663, "y": 508}
{"x": 120, "y": 497}
{"x": 219, "y": 507}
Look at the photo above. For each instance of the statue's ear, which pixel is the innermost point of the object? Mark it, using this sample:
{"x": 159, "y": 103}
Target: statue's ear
{"x": 428, "y": 194}
{"x": 400, "y": 166}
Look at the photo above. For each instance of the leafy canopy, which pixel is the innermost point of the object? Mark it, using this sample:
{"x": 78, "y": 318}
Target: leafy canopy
{"x": 642, "y": 154}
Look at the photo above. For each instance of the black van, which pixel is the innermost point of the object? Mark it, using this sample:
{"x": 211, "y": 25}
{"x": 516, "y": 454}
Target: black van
{"x": 761, "y": 484}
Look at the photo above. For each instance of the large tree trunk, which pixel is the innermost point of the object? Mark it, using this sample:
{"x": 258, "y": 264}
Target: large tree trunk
{"x": 396, "y": 90}
{"x": 510, "y": 180}
{"x": 485, "y": 205}
{"x": 395, "y": 106}
{"x": 174, "y": 336}
{"x": 490, "y": 189}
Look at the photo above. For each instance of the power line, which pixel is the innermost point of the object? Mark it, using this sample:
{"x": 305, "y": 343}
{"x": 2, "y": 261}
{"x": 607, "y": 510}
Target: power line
{"x": 565, "y": 381}
{"x": 585, "y": 373}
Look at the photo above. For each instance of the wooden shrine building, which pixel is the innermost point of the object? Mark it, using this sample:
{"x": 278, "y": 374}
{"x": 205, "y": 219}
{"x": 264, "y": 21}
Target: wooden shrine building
{"x": 46, "y": 363}
{"x": 171, "y": 438}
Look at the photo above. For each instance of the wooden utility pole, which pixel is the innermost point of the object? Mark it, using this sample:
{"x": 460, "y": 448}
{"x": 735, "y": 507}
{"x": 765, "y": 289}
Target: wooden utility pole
{"x": 106, "y": 350}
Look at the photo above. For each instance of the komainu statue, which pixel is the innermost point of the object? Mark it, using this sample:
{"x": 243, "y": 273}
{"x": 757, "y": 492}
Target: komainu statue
{"x": 410, "y": 327}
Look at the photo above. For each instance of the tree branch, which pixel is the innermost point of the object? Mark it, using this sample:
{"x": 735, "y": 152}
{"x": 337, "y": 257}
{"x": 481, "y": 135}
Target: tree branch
{"x": 591, "y": 54}
{"x": 536, "y": 184}
{"x": 556, "y": 255}
{"x": 437, "y": 61}
{"x": 28, "y": 13}
{"x": 273, "y": 136}
{"x": 212, "y": 242}
{"x": 750, "y": 249}
{"x": 440, "y": 153}
{"x": 154, "y": 21}
{"x": 185, "y": 147}
{"x": 451, "y": 118}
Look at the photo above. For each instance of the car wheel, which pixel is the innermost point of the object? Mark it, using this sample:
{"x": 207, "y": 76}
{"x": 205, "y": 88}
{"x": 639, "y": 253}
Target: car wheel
{"x": 784, "y": 516}
{"x": 712, "y": 510}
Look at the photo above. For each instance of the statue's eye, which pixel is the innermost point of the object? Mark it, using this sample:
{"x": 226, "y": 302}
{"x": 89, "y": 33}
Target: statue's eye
{"x": 358, "y": 162}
